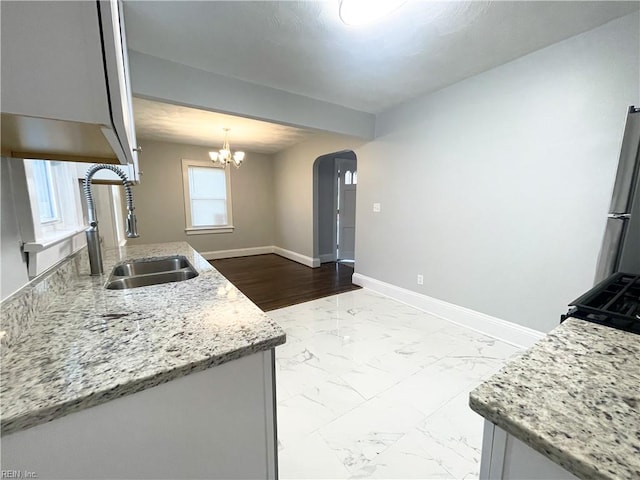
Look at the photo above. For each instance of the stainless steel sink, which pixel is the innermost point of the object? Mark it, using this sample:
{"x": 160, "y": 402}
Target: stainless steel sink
{"x": 152, "y": 265}
{"x": 150, "y": 271}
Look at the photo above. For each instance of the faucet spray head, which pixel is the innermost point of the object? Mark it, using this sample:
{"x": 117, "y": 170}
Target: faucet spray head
{"x": 132, "y": 227}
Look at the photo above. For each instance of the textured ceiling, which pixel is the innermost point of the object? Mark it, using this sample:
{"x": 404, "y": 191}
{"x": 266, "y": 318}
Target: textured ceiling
{"x": 302, "y": 47}
{"x": 177, "y": 124}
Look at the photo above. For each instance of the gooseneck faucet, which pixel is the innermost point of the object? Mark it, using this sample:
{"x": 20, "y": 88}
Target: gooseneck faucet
{"x": 93, "y": 238}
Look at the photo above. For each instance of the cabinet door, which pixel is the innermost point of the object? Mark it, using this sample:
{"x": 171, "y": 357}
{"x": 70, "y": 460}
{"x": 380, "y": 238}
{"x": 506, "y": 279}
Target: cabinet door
{"x": 505, "y": 457}
{"x": 216, "y": 424}
{"x": 65, "y": 83}
{"x": 52, "y": 62}
{"x": 123, "y": 135}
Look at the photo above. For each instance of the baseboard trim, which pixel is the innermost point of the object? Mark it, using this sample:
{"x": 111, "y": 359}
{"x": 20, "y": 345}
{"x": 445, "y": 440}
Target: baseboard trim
{"x": 504, "y": 330}
{"x": 247, "y": 252}
{"x": 237, "y": 252}
{"x": 297, "y": 257}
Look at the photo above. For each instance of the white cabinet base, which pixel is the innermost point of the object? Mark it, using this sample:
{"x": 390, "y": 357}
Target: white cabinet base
{"x": 219, "y": 424}
{"x": 506, "y": 457}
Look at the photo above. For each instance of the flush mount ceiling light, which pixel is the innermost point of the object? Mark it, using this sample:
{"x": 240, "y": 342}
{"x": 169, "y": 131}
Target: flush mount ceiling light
{"x": 223, "y": 157}
{"x": 361, "y": 12}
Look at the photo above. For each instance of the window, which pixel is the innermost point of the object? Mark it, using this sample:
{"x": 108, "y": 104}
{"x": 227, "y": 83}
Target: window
{"x": 348, "y": 177}
{"x": 45, "y": 193}
{"x": 207, "y": 198}
{"x": 51, "y": 221}
{"x": 351, "y": 178}
{"x": 54, "y": 195}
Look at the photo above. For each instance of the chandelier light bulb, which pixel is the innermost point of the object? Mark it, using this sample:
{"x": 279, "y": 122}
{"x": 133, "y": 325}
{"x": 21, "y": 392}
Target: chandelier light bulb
{"x": 362, "y": 12}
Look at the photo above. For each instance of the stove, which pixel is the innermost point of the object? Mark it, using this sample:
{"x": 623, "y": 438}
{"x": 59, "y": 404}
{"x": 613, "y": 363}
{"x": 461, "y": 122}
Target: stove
{"x": 614, "y": 302}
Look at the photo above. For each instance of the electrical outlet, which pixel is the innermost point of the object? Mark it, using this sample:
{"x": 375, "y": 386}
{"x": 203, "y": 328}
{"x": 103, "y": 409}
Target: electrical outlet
{"x": 420, "y": 279}
{"x": 376, "y": 207}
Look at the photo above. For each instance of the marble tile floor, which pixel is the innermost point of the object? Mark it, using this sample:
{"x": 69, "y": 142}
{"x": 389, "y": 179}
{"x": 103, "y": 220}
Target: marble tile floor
{"x": 368, "y": 387}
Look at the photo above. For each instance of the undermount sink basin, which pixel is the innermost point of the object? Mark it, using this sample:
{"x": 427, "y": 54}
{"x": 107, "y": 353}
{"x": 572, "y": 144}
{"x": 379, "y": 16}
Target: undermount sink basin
{"x": 151, "y": 265}
{"x": 150, "y": 271}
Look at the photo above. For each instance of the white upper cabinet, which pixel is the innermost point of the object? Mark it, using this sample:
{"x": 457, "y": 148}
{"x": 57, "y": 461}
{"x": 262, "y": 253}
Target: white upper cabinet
{"x": 66, "y": 93}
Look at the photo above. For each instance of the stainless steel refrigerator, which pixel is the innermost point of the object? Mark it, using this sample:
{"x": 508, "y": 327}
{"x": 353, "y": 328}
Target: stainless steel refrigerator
{"x": 620, "y": 250}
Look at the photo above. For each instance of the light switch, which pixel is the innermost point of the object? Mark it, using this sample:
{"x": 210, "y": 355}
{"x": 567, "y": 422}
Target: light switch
{"x": 376, "y": 207}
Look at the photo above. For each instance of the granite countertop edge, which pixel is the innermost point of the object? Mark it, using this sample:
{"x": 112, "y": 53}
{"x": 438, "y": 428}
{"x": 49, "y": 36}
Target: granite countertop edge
{"x": 151, "y": 335}
{"x": 576, "y": 465}
{"x": 38, "y": 417}
{"x": 557, "y": 397}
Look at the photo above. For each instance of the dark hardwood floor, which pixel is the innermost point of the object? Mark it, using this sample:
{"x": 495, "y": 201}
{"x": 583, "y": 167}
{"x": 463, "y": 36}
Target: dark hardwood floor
{"x": 272, "y": 282}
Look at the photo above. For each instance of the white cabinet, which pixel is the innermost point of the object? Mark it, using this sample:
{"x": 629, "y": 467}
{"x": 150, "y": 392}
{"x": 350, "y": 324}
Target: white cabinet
{"x": 216, "y": 424}
{"x": 66, "y": 93}
{"x": 506, "y": 457}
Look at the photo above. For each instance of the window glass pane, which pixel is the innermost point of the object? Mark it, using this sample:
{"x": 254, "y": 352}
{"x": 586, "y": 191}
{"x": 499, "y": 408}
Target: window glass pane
{"x": 208, "y": 212}
{"x": 347, "y": 178}
{"x": 206, "y": 195}
{"x": 44, "y": 191}
{"x": 355, "y": 177}
{"x": 207, "y": 183}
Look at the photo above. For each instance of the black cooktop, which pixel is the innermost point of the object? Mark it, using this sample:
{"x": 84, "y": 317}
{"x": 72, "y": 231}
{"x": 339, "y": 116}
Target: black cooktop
{"x": 614, "y": 302}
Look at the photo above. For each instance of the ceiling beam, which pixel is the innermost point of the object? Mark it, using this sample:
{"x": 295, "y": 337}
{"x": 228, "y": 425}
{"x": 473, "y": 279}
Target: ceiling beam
{"x": 171, "y": 82}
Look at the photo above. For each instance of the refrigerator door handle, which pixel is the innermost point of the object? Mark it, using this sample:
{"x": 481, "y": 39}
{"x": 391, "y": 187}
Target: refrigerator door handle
{"x": 620, "y": 216}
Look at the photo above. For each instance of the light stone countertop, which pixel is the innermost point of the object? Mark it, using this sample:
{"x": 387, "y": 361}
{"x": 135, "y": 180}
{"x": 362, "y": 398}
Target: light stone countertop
{"x": 575, "y": 398}
{"x": 93, "y": 344}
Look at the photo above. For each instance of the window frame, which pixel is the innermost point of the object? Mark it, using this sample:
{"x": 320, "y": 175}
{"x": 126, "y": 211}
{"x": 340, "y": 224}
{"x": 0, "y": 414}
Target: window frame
{"x": 208, "y": 229}
{"x": 64, "y": 195}
{"x": 47, "y": 243}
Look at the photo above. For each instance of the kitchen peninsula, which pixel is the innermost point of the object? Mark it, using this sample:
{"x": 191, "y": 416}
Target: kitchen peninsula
{"x": 101, "y": 383}
{"x": 568, "y": 408}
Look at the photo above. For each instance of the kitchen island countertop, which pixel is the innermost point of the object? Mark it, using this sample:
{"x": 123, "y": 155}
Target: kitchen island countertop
{"x": 92, "y": 345}
{"x": 575, "y": 398}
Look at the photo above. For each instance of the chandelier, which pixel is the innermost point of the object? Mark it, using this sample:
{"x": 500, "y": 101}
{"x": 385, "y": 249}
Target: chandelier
{"x": 223, "y": 157}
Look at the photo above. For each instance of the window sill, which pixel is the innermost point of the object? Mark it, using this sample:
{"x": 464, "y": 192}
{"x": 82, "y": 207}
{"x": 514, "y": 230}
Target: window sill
{"x": 208, "y": 230}
{"x": 48, "y": 252}
{"x": 51, "y": 240}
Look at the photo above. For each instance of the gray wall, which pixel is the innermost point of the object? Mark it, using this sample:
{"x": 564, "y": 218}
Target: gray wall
{"x": 500, "y": 184}
{"x": 13, "y": 266}
{"x": 294, "y": 204}
{"x": 159, "y": 199}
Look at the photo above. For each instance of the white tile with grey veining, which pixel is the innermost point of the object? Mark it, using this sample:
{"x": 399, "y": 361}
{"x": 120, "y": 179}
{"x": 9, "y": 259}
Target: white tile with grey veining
{"x": 408, "y": 458}
{"x": 336, "y": 395}
{"x": 360, "y": 435}
{"x": 430, "y": 388}
{"x": 310, "y": 457}
{"x": 454, "y": 434}
{"x": 304, "y": 415}
{"x": 389, "y": 375}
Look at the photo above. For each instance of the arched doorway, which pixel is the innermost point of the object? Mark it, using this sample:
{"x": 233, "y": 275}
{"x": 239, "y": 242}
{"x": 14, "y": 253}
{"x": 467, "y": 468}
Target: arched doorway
{"x": 335, "y": 178}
